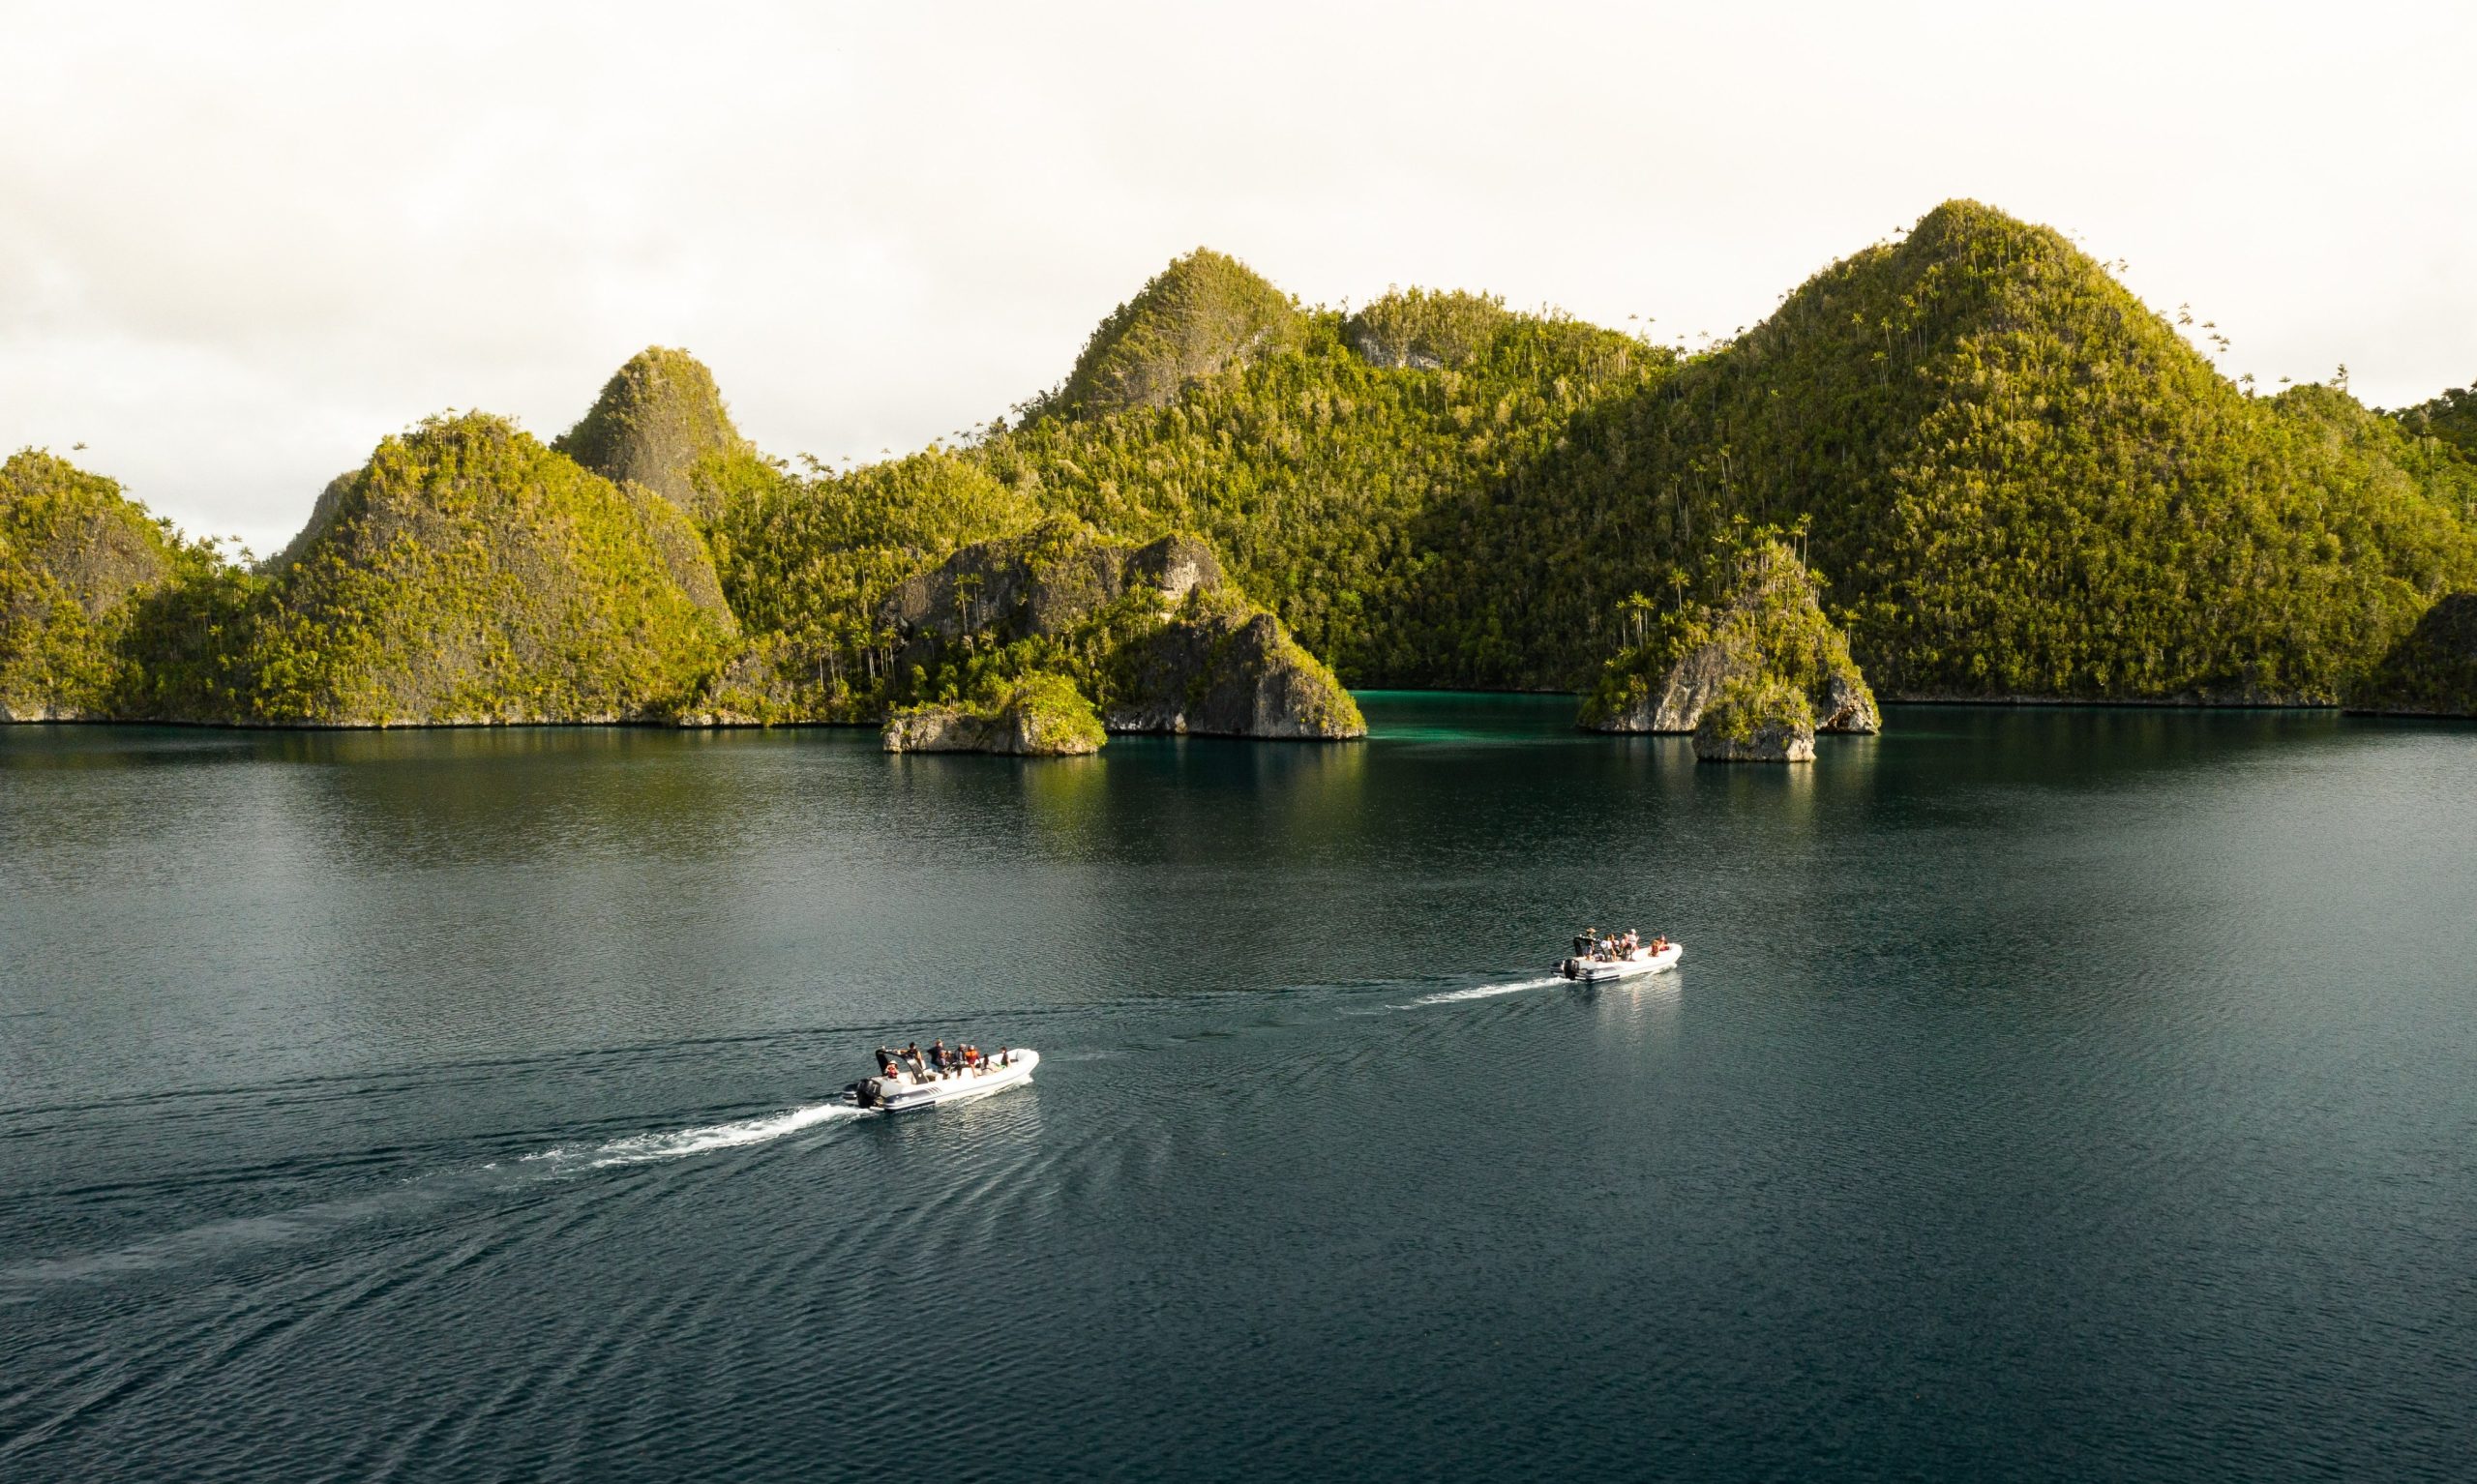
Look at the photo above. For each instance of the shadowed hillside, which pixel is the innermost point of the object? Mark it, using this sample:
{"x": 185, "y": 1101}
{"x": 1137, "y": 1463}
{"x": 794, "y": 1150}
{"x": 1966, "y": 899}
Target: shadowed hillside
{"x": 77, "y": 557}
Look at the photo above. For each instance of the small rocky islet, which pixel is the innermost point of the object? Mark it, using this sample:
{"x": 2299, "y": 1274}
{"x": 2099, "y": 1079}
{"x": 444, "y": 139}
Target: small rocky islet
{"x": 2017, "y": 480}
{"x": 1751, "y": 674}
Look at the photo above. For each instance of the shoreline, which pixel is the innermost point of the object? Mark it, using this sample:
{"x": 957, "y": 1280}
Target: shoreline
{"x": 1951, "y": 703}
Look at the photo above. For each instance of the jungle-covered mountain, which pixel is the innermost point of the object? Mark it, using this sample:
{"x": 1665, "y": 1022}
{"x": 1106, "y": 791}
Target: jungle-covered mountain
{"x": 2011, "y": 479}
{"x": 658, "y": 417}
{"x": 2016, "y": 479}
{"x": 2019, "y": 482}
{"x": 466, "y": 573}
{"x": 78, "y": 562}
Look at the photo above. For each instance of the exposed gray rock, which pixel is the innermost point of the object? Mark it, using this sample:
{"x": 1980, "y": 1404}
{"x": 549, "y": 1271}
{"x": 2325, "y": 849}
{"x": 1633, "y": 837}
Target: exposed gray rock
{"x": 1678, "y": 701}
{"x": 1043, "y": 716}
{"x": 1165, "y": 643}
{"x": 1038, "y": 584}
{"x": 956, "y": 729}
{"x": 322, "y": 514}
{"x": 1227, "y": 675}
{"x": 1771, "y": 742}
{"x": 683, "y": 551}
{"x": 1847, "y": 706}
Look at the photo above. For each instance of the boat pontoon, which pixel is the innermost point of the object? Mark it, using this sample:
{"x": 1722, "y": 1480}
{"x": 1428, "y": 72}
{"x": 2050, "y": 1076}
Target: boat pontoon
{"x": 907, "y": 1090}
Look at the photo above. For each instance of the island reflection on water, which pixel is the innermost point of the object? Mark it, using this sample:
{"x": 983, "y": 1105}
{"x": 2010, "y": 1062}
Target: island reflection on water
{"x": 2067, "y": 1091}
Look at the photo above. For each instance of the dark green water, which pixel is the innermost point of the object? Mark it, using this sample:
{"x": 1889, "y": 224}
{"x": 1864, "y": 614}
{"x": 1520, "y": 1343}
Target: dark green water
{"x": 2043, "y": 1094}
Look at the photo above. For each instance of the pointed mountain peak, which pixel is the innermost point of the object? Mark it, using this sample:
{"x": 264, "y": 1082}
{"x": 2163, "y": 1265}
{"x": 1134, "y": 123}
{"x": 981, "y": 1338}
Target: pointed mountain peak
{"x": 656, "y": 418}
{"x": 1205, "y": 311}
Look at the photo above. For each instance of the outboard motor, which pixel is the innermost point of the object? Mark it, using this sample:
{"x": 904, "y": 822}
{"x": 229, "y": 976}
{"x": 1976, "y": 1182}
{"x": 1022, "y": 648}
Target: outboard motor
{"x": 865, "y": 1092}
{"x": 1571, "y": 969}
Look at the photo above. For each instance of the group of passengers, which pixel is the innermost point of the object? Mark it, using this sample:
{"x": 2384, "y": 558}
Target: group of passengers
{"x": 1620, "y": 945}
{"x": 911, "y": 1064}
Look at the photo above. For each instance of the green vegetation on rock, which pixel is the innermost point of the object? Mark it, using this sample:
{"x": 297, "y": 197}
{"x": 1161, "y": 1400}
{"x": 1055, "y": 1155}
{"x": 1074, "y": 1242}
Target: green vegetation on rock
{"x": 1042, "y": 716}
{"x": 78, "y": 559}
{"x": 1330, "y": 486}
{"x": 1427, "y": 329}
{"x": 657, "y": 418}
{"x": 2022, "y": 482}
{"x": 2019, "y": 481}
{"x": 806, "y": 563}
{"x": 1756, "y": 717}
{"x": 2451, "y": 418}
{"x": 1154, "y": 635}
{"x": 1201, "y": 313}
{"x": 1768, "y": 626}
{"x": 468, "y": 574}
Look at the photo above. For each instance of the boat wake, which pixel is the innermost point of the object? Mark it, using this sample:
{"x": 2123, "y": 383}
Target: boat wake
{"x": 1483, "y": 992}
{"x": 680, "y": 1143}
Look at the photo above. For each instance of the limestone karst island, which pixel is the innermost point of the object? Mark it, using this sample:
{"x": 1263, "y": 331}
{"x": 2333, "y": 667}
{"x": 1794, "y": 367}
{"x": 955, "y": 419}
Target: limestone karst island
{"x": 1230, "y": 743}
{"x": 1963, "y": 464}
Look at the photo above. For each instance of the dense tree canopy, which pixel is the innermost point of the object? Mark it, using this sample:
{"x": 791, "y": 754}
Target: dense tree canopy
{"x": 2017, "y": 479}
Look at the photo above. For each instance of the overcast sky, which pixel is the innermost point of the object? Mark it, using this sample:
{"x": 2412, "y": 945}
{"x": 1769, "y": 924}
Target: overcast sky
{"x": 240, "y": 244}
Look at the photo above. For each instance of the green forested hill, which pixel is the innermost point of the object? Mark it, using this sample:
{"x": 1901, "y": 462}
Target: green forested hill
{"x": 469, "y": 574}
{"x": 1205, "y": 311}
{"x": 77, "y": 561}
{"x": 2450, "y": 418}
{"x": 2011, "y": 478}
{"x": 1321, "y": 476}
{"x": 2019, "y": 482}
{"x": 657, "y": 419}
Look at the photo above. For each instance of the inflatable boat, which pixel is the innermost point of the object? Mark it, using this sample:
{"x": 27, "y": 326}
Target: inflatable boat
{"x": 1590, "y": 967}
{"x": 905, "y": 1091}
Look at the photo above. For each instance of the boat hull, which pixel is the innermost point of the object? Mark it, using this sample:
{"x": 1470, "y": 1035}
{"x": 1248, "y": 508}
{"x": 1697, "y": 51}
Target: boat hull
{"x": 1594, "y": 971}
{"x": 939, "y": 1091}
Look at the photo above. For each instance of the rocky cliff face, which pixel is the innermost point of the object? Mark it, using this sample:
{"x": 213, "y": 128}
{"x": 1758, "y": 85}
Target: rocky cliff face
{"x": 2432, "y": 671}
{"x": 1041, "y": 585}
{"x": 1229, "y": 671}
{"x": 1152, "y": 633}
{"x": 1771, "y": 742}
{"x": 1770, "y": 624}
{"x": 1756, "y": 718}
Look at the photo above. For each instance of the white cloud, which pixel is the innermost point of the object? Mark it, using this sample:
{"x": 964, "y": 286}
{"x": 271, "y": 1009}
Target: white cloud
{"x": 237, "y": 246}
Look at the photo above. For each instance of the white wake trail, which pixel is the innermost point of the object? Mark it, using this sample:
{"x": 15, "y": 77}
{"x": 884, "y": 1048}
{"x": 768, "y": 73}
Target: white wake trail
{"x": 1484, "y": 991}
{"x": 645, "y": 1148}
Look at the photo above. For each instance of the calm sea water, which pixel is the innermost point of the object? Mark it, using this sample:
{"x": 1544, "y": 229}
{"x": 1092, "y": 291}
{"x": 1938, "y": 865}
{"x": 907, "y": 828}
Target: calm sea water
{"x": 2043, "y": 1094}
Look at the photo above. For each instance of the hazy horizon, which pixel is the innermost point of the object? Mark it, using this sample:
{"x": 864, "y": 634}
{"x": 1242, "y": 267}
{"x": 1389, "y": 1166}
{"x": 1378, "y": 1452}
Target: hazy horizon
{"x": 244, "y": 247}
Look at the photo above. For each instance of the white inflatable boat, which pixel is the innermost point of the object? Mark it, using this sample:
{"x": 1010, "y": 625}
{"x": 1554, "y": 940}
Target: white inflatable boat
{"x": 1592, "y": 968}
{"x": 905, "y": 1091}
